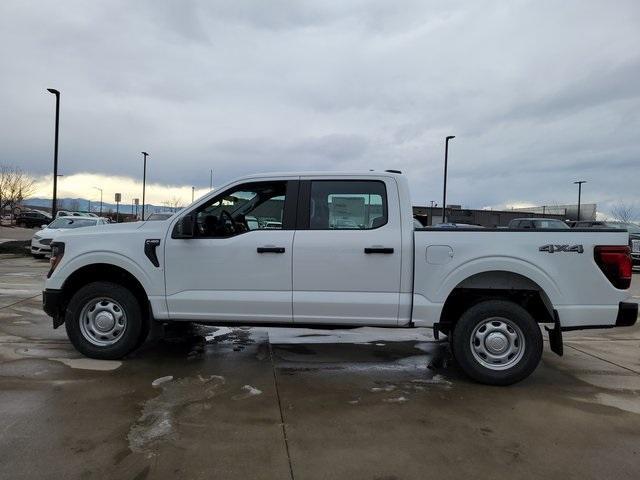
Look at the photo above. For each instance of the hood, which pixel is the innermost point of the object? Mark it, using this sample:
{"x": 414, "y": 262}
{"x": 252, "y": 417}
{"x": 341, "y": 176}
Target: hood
{"x": 113, "y": 229}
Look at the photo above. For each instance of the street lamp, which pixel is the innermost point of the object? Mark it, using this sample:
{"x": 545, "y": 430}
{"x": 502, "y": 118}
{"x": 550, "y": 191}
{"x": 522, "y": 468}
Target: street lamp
{"x": 98, "y": 188}
{"x": 144, "y": 181}
{"x": 55, "y": 153}
{"x": 579, "y": 183}
{"x": 444, "y": 195}
{"x": 193, "y": 192}
{"x": 433, "y": 203}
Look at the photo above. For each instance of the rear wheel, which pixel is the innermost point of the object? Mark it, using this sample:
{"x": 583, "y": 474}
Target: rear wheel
{"x": 104, "y": 320}
{"x": 497, "y": 342}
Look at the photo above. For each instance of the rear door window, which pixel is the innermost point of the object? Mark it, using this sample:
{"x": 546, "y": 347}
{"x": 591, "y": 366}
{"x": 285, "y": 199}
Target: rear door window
{"x": 347, "y": 205}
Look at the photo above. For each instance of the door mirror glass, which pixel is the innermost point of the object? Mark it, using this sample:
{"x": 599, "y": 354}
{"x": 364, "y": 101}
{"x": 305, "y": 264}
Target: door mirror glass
{"x": 184, "y": 227}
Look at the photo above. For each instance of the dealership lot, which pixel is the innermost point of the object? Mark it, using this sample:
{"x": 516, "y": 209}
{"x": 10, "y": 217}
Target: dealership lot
{"x": 208, "y": 402}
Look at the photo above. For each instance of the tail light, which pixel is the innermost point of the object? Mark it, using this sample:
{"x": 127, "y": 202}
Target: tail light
{"x": 615, "y": 263}
{"x": 57, "y": 252}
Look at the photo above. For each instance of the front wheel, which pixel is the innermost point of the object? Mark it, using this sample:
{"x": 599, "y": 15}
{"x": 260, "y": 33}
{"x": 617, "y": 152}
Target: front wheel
{"x": 497, "y": 342}
{"x": 104, "y": 320}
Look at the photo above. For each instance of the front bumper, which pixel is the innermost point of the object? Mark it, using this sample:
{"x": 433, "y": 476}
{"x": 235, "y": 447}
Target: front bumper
{"x": 38, "y": 248}
{"x": 52, "y": 304}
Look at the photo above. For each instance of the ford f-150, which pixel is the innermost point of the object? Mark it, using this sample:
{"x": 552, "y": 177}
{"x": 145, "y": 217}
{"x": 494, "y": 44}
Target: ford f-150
{"x": 339, "y": 250}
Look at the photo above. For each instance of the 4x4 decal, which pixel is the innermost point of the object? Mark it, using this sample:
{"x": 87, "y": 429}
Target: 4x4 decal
{"x": 562, "y": 248}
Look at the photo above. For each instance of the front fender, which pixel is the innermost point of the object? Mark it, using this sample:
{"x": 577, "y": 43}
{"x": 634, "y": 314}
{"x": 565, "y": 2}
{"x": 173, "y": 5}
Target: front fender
{"x": 66, "y": 269}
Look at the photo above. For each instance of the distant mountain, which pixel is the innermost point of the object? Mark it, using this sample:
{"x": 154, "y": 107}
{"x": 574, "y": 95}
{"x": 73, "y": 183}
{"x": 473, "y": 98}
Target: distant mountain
{"x": 83, "y": 205}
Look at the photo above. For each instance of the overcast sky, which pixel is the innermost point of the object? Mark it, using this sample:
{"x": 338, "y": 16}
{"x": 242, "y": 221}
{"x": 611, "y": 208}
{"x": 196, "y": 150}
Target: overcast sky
{"x": 538, "y": 93}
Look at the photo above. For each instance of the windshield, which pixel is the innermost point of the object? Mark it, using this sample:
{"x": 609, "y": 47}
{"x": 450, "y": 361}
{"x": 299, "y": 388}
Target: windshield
{"x": 72, "y": 222}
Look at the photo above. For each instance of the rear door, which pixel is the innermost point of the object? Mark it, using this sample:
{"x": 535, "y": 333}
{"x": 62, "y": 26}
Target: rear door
{"x": 347, "y": 252}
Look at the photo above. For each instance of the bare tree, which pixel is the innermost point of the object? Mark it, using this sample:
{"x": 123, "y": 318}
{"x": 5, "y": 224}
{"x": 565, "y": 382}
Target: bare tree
{"x": 174, "y": 203}
{"x": 15, "y": 186}
{"x": 623, "y": 212}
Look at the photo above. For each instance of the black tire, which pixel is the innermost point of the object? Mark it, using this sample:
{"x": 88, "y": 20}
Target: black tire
{"x": 128, "y": 338}
{"x": 522, "y": 352}
{"x": 37, "y": 255}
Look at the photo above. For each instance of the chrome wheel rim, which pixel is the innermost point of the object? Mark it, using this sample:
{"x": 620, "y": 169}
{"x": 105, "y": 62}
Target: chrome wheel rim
{"x": 497, "y": 343}
{"x": 103, "y": 321}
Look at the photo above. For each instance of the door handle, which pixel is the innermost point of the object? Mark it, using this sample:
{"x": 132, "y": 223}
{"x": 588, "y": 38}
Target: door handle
{"x": 385, "y": 250}
{"x": 270, "y": 249}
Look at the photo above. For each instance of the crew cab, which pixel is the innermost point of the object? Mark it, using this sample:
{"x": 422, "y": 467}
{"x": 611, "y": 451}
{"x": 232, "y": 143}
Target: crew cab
{"x": 338, "y": 250}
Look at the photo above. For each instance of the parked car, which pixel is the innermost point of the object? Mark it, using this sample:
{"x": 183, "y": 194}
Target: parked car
{"x": 32, "y": 218}
{"x": 632, "y": 228}
{"x": 538, "y": 223}
{"x": 69, "y": 213}
{"x": 487, "y": 290}
{"x": 41, "y": 241}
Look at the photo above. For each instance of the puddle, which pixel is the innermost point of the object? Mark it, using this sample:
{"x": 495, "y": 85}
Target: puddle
{"x": 47, "y": 352}
{"x": 622, "y": 402}
{"x": 31, "y": 310}
{"x": 33, "y": 369}
{"x": 181, "y": 401}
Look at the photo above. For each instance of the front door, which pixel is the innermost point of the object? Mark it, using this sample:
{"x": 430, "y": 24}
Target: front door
{"x": 347, "y": 253}
{"x": 237, "y": 267}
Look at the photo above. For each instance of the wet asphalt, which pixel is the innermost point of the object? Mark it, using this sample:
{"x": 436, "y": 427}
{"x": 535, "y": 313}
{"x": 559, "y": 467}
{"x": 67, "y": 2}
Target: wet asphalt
{"x": 206, "y": 402}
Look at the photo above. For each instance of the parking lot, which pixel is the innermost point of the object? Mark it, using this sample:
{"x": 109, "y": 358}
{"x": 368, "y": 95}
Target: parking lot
{"x": 208, "y": 402}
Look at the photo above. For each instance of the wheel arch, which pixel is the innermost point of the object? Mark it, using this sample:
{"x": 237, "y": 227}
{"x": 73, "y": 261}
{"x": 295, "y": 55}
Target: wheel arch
{"x": 496, "y": 284}
{"x": 94, "y": 272}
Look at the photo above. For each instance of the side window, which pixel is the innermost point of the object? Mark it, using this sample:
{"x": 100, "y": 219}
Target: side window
{"x": 252, "y": 206}
{"x": 347, "y": 205}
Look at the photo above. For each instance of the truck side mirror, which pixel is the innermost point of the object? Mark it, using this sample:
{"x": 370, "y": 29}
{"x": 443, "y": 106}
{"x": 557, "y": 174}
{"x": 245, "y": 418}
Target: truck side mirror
{"x": 184, "y": 227}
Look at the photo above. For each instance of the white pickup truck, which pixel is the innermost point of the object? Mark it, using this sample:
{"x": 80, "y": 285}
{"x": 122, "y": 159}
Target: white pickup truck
{"x": 338, "y": 249}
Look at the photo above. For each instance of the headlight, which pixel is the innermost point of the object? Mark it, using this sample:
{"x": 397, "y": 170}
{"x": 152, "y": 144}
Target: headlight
{"x": 37, "y": 237}
{"x": 45, "y": 241}
{"x": 57, "y": 252}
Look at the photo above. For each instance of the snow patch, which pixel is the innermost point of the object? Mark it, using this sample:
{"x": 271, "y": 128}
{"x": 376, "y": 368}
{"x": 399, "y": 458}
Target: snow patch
{"x": 386, "y": 388}
{"x": 218, "y": 333}
{"x": 435, "y": 380}
{"x": 395, "y": 400}
{"x": 89, "y": 364}
{"x": 159, "y": 381}
{"x": 249, "y": 391}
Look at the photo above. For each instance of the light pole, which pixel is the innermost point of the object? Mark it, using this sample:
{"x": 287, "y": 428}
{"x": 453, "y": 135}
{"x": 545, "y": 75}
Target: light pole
{"x": 55, "y": 153}
{"x": 446, "y": 158}
{"x": 211, "y": 179}
{"x": 433, "y": 202}
{"x": 579, "y": 183}
{"x": 144, "y": 181}
{"x": 98, "y": 188}
{"x": 193, "y": 192}
{"x": 118, "y": 199}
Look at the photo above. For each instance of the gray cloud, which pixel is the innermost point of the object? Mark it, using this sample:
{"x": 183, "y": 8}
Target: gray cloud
{"x": 537, "y": 93}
